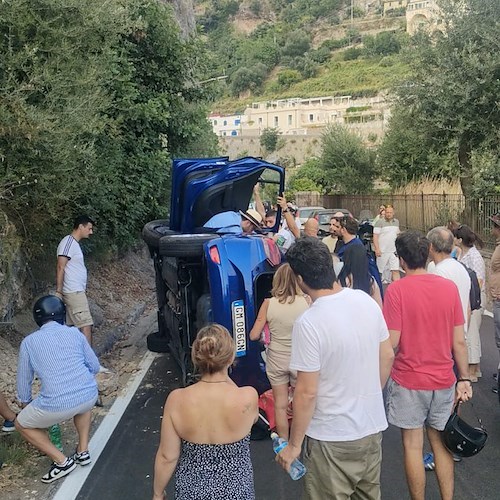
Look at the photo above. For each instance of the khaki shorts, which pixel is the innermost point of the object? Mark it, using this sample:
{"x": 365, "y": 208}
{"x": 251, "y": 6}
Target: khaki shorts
{"x": 277, "y": 368}
{"x": 31, "y": 417}
{"x": 77, "y": 309}
{"x": 343, "y": 469}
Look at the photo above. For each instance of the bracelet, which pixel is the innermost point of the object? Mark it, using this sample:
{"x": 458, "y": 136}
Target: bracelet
{"x": 464, "y": 380}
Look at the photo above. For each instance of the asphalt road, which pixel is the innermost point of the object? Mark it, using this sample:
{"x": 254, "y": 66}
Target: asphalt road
{"x": 125, "y": 468}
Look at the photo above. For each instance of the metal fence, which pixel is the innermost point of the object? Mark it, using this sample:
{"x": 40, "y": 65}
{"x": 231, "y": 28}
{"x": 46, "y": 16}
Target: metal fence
{"x": 424, "y": 211}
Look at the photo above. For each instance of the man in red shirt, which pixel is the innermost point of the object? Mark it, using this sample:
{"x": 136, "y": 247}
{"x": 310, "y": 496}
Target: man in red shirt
{"x": 426, "y": 326}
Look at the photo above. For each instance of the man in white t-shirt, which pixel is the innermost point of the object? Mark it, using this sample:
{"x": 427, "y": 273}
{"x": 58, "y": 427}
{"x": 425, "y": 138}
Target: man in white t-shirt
{"x": 71, "y": 276}
{"x": 441, "y": 240}
{"x": 343, "y": 359}
{"x": 385, "y": 232}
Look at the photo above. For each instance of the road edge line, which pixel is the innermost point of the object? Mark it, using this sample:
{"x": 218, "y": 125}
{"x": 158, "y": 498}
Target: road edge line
{"x": 72, "y": 485}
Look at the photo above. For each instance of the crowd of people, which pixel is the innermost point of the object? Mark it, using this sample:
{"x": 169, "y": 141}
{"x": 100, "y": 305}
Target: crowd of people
{"x": 339, "y": 345}
{"x": 336, "y": 337}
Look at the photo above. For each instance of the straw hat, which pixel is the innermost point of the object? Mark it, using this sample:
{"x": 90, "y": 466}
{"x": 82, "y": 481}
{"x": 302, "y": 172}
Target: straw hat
{"x": 252, "y": 216}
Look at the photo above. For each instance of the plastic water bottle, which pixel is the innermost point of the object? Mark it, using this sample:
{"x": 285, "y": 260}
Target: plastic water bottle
{"x": 297, "y": 469}
{"x": 55, "y": 436}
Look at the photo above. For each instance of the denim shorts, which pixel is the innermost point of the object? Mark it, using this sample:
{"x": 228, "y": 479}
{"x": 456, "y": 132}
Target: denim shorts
{"x": 414, "y": 409}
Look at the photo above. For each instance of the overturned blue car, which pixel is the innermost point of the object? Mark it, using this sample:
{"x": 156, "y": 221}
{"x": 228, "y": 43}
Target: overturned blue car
{"x": 206, "y": 275}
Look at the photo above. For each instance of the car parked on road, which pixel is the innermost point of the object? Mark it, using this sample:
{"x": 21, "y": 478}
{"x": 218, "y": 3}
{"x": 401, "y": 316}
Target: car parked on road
{"x": 324, "y": 216}
{"x": 203, "y": 276}
{"x": 304, "y": 213}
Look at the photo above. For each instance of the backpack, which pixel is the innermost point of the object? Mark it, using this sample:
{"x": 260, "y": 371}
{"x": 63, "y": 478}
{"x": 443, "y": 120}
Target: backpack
{"x": 475, "y": 289}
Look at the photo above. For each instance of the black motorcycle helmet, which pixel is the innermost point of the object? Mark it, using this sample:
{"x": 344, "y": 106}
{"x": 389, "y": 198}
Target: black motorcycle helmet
{"x": 462, "y": 439}
{"x": 49, "y": 308}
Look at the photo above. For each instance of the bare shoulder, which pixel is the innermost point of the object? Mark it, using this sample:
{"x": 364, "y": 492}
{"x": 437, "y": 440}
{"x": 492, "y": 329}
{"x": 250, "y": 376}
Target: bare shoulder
{"x": 248, "y": 394}
{"x": 175, "y": 397}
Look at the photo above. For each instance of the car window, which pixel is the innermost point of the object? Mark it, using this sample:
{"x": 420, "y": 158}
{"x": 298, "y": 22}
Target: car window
{"x": 325, "y": 218}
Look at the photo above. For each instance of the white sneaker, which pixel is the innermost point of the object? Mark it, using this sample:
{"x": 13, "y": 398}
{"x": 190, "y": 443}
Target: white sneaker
{"x": 103, "y": 369}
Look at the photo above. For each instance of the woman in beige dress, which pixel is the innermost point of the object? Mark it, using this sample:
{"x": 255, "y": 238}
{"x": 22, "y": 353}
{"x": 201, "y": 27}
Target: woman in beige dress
{"x": 280, "y": 312}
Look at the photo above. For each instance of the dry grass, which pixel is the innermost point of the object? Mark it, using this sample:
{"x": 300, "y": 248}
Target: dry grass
{"x": 13, "y": 449}
{"x": 429, "y": 185}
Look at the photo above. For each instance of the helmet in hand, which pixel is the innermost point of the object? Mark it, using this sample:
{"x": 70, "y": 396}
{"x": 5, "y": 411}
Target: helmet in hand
{"x": 462, "y": 439}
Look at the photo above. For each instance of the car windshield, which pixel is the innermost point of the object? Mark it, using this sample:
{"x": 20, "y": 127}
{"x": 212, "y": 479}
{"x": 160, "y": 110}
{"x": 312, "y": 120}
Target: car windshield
{"x": 305, "y": 213}
{"x": 325, "y": 218}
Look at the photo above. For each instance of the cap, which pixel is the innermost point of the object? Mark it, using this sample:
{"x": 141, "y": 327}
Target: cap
{"x": 292, "y": 207}
{"x": 495, "y": 219}
{"x": 252, "y": 216}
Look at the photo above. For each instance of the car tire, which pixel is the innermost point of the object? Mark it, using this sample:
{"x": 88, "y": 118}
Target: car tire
{"x": 184, "y": 245}
{"x": 157, "y": 343}
{"x": 153, "y": 231}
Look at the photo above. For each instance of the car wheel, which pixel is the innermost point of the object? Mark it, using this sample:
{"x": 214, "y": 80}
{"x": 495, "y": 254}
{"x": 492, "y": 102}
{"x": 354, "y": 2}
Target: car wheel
{"x": 153, "y": 231}
{"x": 184, "y": 245}
{"x": 157, "y": 343}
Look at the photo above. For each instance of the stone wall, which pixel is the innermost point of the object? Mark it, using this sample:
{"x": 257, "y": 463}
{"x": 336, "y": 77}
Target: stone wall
{"x": 300, "y": 147}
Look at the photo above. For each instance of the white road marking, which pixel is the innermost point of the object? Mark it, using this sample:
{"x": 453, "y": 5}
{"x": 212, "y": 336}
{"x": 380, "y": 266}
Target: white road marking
{"x": 73, "y": 483}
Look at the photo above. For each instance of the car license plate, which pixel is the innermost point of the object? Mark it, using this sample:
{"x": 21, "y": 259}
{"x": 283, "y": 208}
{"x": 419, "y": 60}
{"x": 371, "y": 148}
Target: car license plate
{"x": 239, "y": 329}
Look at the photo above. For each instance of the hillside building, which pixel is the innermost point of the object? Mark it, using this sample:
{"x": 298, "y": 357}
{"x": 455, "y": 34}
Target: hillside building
{"x": 298, "y": 116}
{"x": 423, "y": 14}
{"x": 394, "y": 6}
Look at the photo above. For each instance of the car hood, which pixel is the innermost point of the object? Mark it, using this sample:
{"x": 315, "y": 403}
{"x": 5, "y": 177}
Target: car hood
{"x": 202, "y": 188}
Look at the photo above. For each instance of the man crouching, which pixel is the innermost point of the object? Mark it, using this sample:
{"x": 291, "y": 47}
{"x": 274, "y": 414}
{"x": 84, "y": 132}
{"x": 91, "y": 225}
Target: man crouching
{"x": 65, "y": 364}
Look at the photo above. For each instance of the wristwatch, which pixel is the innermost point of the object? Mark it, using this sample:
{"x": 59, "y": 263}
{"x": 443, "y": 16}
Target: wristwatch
{"x": 285, "y": 210}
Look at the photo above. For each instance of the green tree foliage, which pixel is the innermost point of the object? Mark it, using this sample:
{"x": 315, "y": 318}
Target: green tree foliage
{"x": 347, "y": 165}
{"x": 248, "y": 78}
{"x": 288, "y": 77}
{"x": 94, "y": 100}
{"x": 308, "y": 177}
{"x": 297, "y": 44}
{"x": 344, "y": 166}
{"x": 269, "y": 139}
{"x": 452, "y": 95}
{"x": 382, "y": 44}
{"x": 407, "y": 153}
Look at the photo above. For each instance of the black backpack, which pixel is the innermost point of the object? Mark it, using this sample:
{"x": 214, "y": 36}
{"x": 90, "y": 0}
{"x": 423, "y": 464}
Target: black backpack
{"x": 475, "y": 289}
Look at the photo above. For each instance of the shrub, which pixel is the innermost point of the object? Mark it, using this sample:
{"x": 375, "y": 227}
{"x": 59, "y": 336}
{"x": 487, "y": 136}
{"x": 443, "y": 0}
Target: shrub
{"x": 288, "y": 77}
{"x": 269, "y": 139}
{"x": 352, "y": 53}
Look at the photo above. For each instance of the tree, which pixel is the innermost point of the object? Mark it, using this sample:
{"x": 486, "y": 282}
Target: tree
{"x": 248, "y": 78}
{"x": 347, "y": 165}
{"x": 407, "y": 151}
{"x": 95, "y": 99}
{"x": 452, "y": 93}
{"x": 288, "y": 77}
{"x": 308, "y": 177}
{"x": 382, "y": 44}
{"x": 297, "y": 44}
{"x": 269, "y": 139}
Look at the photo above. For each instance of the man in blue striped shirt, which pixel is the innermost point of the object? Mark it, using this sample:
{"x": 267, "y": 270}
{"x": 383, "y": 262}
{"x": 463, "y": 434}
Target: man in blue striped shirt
{"x": 66, "y": 365}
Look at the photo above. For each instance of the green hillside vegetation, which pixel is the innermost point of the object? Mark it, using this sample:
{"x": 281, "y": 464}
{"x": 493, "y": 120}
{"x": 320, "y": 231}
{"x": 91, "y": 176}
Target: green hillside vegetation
{"x": 359, "y": 78}
{"x": 285, "y": 58}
